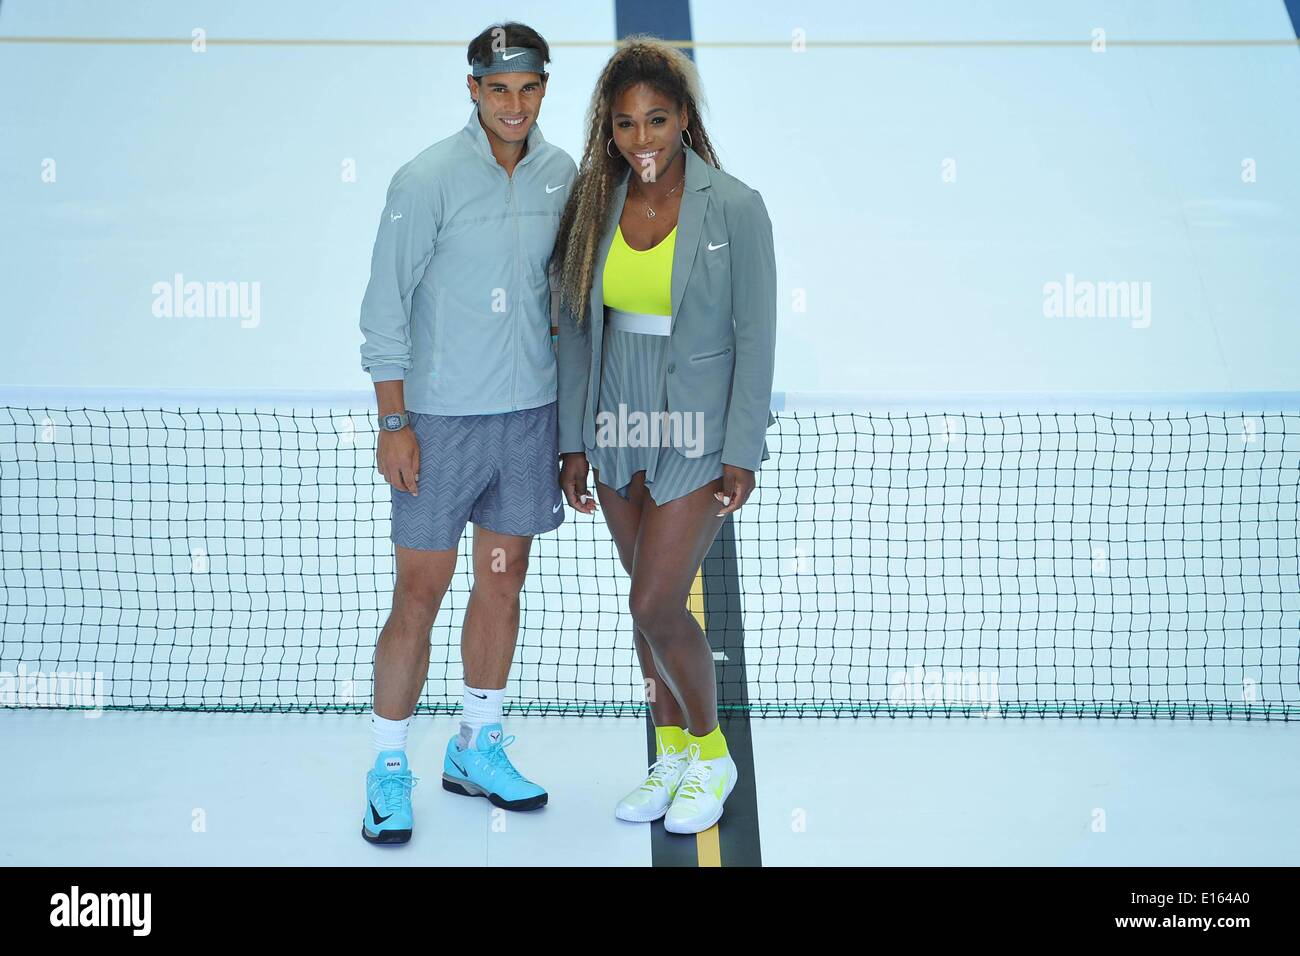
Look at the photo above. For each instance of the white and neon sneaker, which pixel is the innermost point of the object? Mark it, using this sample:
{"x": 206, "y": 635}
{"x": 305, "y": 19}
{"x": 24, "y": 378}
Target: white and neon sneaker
{"x": 651, "y": 800}
{"x": 703, "y": 790}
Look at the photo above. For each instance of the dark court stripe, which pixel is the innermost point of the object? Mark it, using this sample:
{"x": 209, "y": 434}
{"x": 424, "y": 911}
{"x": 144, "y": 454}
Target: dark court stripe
{"x": 667, "y": 19}
{"x": 738, "y": 828}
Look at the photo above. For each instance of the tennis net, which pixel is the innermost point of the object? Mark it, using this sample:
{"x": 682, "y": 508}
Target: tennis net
{"x": 930, "y": 556}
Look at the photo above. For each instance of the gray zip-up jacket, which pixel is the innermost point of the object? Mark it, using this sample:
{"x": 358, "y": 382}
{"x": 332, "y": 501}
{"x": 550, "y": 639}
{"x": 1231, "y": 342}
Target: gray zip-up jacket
{"x": 458, "y": 304}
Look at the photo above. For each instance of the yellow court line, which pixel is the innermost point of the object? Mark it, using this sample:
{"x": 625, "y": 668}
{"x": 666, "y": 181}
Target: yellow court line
{"x": 684, "y": 44}
{"x": 695, "y": 602}
{"x": 708, "y": 848}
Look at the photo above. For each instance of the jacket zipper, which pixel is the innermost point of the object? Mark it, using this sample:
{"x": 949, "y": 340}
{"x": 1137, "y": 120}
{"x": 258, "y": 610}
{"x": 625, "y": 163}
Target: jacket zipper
{"x": 514, "y": 315}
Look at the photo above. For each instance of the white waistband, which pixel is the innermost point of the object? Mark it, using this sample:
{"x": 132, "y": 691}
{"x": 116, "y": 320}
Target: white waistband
{"x": 638, "y": 322}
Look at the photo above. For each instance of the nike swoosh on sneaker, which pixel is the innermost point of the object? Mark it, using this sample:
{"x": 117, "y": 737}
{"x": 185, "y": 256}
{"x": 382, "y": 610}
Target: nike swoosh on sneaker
{"x": 722, "y": 785}
{"x": 463, "y": 771}
{"x": 375, "y": 813}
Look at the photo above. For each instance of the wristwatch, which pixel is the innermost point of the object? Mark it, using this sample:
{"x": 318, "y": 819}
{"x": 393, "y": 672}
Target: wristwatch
{"x": 394, "y": 423}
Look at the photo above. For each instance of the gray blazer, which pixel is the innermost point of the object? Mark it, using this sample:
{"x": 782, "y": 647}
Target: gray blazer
{"x": 721, "y": 352}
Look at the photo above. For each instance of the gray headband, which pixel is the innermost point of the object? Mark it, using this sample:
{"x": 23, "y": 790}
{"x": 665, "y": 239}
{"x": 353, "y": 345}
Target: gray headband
{"x": 513, "y": 59}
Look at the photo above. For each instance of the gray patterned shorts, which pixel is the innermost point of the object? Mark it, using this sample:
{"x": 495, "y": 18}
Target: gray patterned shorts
{"x": 500, "y": 472}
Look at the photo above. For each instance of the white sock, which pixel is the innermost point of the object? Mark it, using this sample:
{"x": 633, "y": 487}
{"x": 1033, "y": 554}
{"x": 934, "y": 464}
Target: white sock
{"x": 388, "y": 734}
{"x": 481, "y": 707}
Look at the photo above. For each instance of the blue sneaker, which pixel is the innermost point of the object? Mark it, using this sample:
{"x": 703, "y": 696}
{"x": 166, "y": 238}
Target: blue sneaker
{"x": 388, "y": 817}
{"x": 486, "y": 771}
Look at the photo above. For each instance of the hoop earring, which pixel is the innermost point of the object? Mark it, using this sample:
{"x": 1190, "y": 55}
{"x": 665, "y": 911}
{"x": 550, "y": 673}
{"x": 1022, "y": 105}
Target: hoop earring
{"x": 686, "y": 139}
{"x": 607, "y": 146}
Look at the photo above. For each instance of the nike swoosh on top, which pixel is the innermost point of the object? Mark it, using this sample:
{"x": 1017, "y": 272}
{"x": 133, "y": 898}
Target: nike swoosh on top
{"x": 394, "y": 216}
{"x": 375, "y": 813}
{"x": 718, "y": 246}
{"x": 550, "y": 189}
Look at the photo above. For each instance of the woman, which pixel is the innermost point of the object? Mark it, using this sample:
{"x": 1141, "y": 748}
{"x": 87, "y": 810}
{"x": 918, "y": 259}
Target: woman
{"x": 667, "y": 286}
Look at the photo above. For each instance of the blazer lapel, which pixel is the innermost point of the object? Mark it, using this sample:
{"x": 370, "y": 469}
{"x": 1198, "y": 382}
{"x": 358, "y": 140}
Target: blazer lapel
{"x": 690, "y": 226}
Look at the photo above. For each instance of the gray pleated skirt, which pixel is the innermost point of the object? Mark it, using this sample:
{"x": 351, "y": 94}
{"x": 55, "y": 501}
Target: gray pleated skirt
{"x": 632, "y": 377}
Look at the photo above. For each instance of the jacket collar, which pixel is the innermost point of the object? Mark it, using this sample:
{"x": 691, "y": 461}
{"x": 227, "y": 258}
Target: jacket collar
{"x": 479, "y": 138}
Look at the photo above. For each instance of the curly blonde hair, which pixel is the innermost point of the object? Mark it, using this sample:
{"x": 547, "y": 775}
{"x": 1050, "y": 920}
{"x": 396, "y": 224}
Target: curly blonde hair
{"x": 662, "y": 67}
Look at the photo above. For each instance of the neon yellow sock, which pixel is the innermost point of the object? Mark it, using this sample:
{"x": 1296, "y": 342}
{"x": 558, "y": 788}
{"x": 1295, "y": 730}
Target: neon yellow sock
{"x": 674, "y": 737}
{"x": 712, "y": 745}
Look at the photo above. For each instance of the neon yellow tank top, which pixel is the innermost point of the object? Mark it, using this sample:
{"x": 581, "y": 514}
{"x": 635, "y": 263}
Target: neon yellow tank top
{"x": 640, "y": 280}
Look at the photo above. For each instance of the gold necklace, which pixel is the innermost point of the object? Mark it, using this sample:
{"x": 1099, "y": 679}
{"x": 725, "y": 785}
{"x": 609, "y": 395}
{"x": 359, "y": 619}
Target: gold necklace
{"x": 650, "y": 213}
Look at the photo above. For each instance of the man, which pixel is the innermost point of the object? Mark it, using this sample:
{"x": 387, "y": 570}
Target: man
{"x": 457, "y": 328}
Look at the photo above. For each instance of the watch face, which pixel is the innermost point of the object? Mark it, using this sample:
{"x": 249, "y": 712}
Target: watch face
{"x": 393, "y": 422}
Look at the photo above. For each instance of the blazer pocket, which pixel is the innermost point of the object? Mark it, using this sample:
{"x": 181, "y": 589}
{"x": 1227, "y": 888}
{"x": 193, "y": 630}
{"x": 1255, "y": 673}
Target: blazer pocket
{"x": 705, "y": 356}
